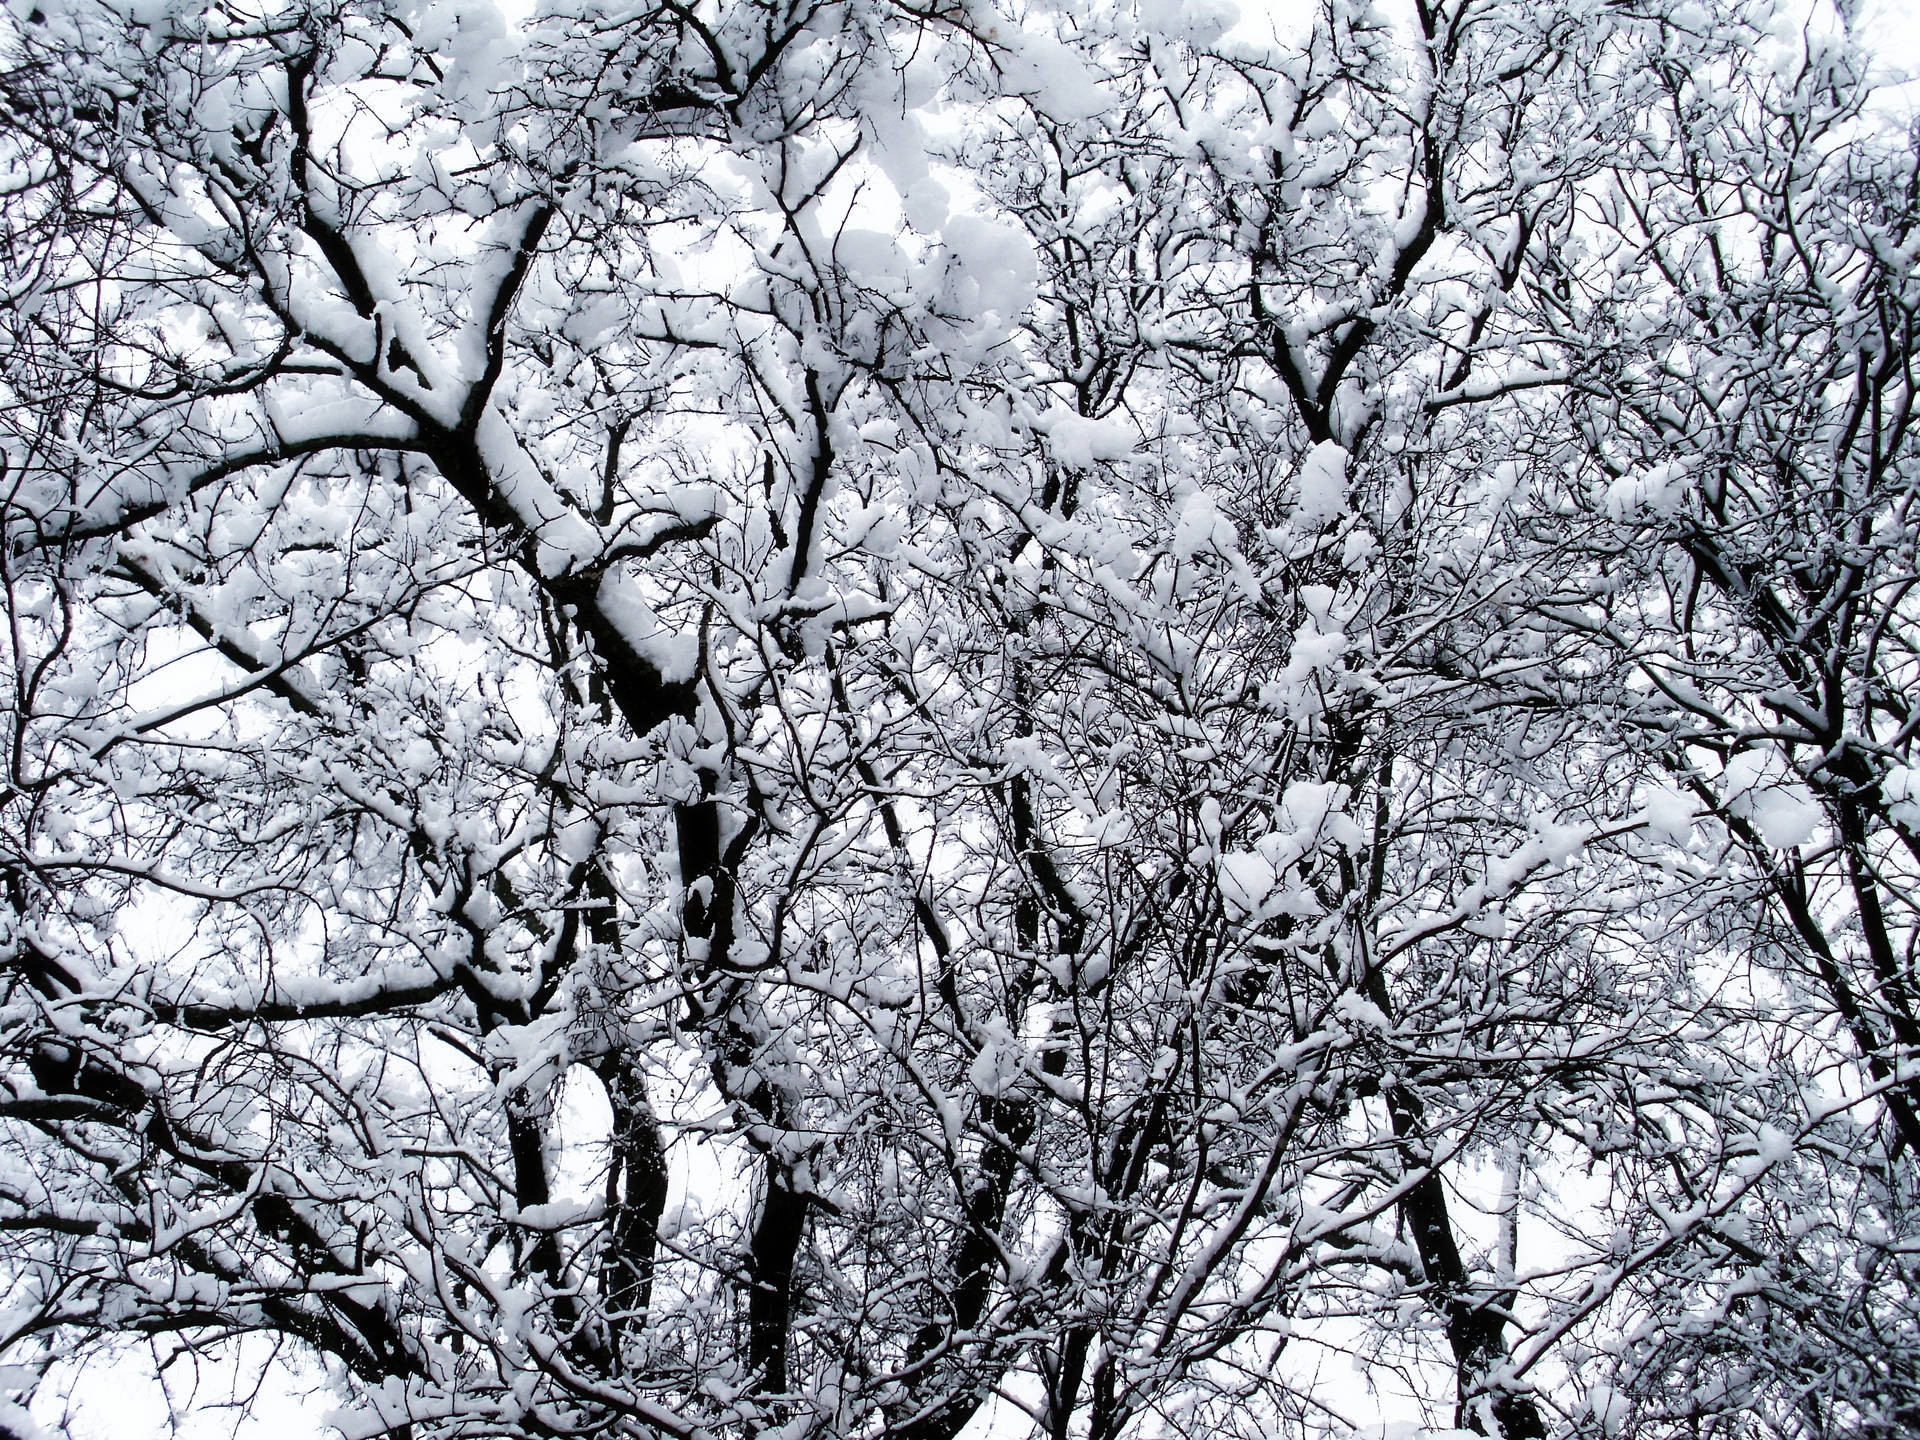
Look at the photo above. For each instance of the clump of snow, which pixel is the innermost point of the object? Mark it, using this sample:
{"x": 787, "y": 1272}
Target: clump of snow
{"x": 1658, "y": 491}
{"x": 476, "y": 39}
{"x": 1608, "y": 1407}
{"x": 1361, "y": 1013}
{"x": 1761, "y": 788}
{"x": 1321, "y": 486}
{"x": 1201, "y": 527}
{"x": 674, "y": 655}
{"x": 1254, "y": 883}
{"x": 1318, "y": 645}
{"x": 871, "y": 257}
{"x": 1901, "y": 786}
{"x": 1200, "y": 22}
{"x": 1078, "y": 440}
{"x": 999, "y": 1069}
{"x": 925, "y": 204}
{"x": 993, "y": 268}
{"x": 1246, "y": 879}
{"x": 1668, "y": 814}
{"x": 1051, "y": 77}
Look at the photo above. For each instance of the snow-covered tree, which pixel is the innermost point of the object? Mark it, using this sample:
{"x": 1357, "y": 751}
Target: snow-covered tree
{"x": 1124, "y": 700}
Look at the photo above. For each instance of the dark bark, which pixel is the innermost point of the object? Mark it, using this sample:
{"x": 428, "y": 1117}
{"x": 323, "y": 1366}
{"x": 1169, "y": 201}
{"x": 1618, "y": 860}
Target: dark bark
{"x": 1475, "y": 1317}
{"x": 636, "y": 1197}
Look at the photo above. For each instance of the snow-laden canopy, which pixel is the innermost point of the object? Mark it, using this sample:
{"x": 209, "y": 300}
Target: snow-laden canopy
{"x": 872, "y": 719}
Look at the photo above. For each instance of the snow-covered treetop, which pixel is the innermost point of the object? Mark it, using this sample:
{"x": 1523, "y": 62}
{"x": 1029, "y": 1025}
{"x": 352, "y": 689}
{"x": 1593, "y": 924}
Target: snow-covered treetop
{"x": 874, "y": 719}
